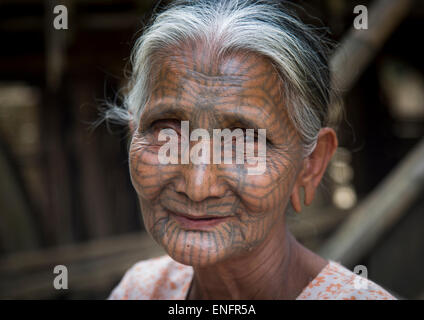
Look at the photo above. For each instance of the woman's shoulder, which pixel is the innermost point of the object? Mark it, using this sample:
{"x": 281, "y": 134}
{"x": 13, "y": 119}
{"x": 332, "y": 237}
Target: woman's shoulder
{"x": 157, "y": 278}
{"x": 335, "y": 282}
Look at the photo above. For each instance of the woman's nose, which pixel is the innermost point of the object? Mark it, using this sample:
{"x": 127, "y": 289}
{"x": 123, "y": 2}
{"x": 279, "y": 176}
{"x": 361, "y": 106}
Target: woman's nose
{"x": 201, "y": 181}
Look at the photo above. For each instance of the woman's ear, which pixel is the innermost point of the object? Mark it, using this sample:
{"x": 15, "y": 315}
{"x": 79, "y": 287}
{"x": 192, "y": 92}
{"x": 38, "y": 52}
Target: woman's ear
{"x": 314, "y": 167}
{"x": 295, "y": 198}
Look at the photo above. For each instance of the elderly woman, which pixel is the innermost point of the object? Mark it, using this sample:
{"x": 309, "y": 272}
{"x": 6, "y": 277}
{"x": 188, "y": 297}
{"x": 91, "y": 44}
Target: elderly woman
{"x": 234, "y": 65}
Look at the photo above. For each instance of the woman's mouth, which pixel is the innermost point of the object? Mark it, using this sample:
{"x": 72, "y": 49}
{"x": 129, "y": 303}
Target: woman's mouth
{"x": 197, "y": 222}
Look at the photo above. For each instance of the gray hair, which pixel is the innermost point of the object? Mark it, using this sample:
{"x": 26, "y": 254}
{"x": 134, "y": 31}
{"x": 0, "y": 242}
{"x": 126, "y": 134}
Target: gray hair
{"x": 264, "y": 27}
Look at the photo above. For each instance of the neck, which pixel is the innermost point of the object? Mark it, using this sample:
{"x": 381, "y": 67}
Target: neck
{"x": 279, "y": 268}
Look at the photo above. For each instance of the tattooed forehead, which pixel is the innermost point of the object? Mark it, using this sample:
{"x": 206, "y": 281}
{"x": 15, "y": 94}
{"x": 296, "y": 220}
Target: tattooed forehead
{"x": 239, "y": 87}
{"x": 201, "y": 60}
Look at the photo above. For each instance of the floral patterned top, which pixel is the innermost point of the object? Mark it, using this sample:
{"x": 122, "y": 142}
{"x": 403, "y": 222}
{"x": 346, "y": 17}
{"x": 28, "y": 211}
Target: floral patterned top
{"x": 163, "y": 278}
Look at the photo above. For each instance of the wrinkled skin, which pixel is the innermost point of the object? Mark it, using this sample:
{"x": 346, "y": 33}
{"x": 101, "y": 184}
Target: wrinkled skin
{"x": 240, "y": 91}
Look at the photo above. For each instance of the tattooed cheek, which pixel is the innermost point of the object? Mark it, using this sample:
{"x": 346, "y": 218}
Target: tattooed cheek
{"x": 268, "y": 192}
{"x": 143, "y": 151}
{"x": 144, "y": 171}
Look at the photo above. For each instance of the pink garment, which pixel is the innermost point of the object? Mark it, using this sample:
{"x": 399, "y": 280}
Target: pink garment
{"x": 163, "y": 278}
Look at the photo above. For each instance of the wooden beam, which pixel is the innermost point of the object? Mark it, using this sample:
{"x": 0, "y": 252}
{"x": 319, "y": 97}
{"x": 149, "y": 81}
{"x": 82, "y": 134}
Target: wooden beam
{"x": 360, "y": 46}
{"x": 386, "y": 204}
{"x": 379, "y": 211}
{"x": 17, "y": 228}
{"x": 95, "y": 266}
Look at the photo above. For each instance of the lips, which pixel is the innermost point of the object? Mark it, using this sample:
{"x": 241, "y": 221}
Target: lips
{"x": 197, "y": 222}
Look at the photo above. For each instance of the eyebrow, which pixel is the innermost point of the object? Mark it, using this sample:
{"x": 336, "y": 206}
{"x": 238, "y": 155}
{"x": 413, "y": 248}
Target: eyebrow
{"x": 241, "y": 118}
{"x": 226, "y": 118}
{"x": 162, "y": 111}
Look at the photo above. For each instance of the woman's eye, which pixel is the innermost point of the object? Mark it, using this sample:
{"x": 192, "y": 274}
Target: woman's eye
{"x": 160, "y": 125}
{"x": 247, "y": 136}
{"x": 162, "y": 130}
{"x": 166, "y": 124}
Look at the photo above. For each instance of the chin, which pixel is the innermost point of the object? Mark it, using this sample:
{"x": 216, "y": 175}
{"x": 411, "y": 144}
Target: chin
{"x": 193, "y": 248}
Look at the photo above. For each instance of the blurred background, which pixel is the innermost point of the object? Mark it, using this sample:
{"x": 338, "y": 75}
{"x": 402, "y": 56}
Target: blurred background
{"x": 65, "y": 192}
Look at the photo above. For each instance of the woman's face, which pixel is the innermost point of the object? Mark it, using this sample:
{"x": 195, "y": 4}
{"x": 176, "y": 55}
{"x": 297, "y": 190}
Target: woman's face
{"x": 206, "y": 213}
